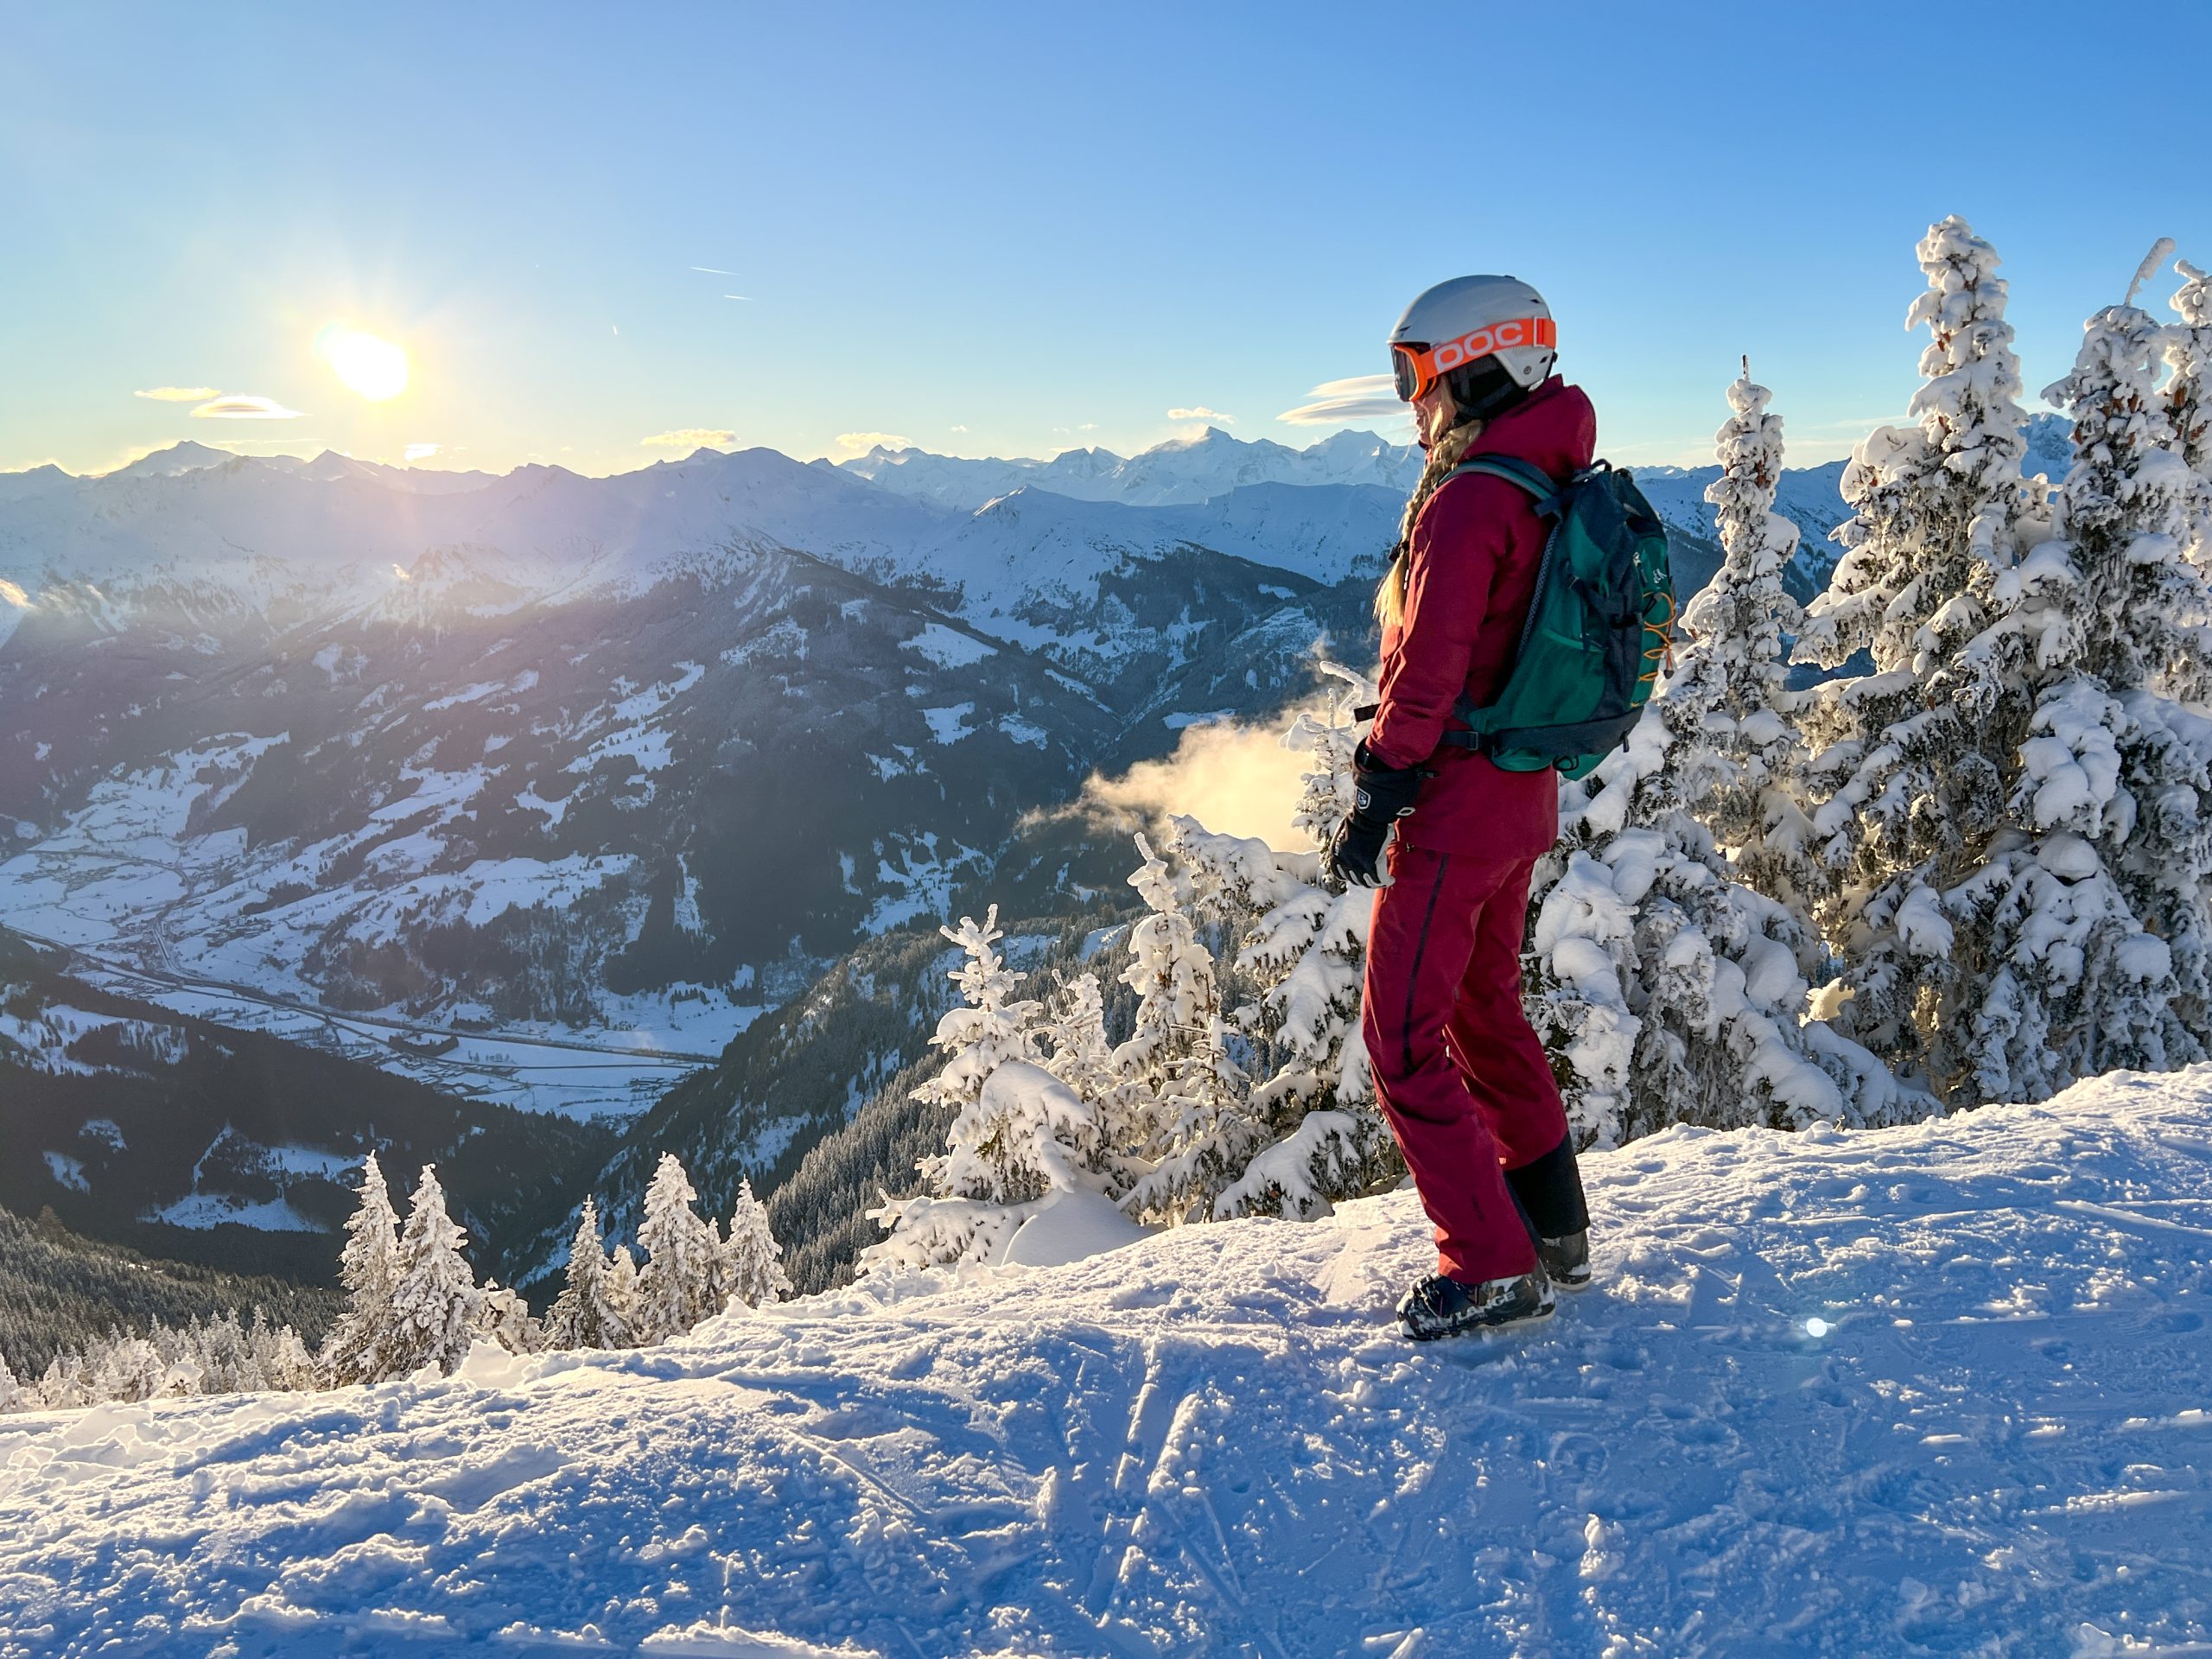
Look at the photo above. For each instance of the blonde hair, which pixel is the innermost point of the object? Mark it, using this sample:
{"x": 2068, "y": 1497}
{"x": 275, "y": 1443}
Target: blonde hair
{"x": 1446, "y": 452}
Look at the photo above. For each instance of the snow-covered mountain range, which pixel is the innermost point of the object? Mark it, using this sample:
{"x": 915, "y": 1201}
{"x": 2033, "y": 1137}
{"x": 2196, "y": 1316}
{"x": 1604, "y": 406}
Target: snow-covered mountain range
{"x": 543, "y": 787}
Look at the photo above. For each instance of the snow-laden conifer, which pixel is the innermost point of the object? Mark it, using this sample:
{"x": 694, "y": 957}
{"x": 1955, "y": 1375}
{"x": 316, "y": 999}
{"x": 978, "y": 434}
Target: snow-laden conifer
{"x": 947, "y": 1225}
{"x": 129, "y": 1369}
{"x": 1910, "y": 758}
{"x": 1729, "y": 709}
{"x": 1672, "y": 989}
{"x": 585, "y": 1315}
{"x": 368, "y": 1270}
{"x": 1183, "y": 1095}
{"x": 1075, "y": 1034}
{"x": 1302, "y": 943}
{"x": 624, "y": 1311}
{"x": 2084, "y": 941}
{"x": 751, "y": 1261}
{"x": 436, "y": 1309}
{"x": 1000, "y": 1149}
{"x": 676, "y": 1287}
{"x": 991, "y": 1027}
{"x": 1667, "y": 991}
{"x": 505, "y": 1318}
{"x": 13, "y": 1396}
{"x": 2189, "y": 402}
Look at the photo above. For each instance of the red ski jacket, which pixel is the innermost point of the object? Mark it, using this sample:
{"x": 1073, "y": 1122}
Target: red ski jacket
{"x": 1471, "y": 575}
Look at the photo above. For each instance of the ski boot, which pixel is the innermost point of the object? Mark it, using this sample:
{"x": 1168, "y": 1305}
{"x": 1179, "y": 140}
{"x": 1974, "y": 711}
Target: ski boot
{"x": 1567, "y": 1259}
{"x": 1440, "y": 1306}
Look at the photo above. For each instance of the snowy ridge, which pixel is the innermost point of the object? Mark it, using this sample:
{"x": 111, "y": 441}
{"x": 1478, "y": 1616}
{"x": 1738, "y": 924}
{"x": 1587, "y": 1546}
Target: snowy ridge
{"x": 1916, "y": 1390}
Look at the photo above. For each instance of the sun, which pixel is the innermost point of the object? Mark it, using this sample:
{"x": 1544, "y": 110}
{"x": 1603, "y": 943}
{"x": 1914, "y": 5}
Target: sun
{"x": 375, "y": 368}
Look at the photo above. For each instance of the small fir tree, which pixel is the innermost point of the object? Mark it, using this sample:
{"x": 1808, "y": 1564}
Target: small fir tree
{"x": 1076, "y": 1033}
{"x": 505, "y": 1318}
{"x": 624, "y": 1308}
{"x": 1189, "y": 1097}
{"x": 436, "y": 1309}
{"x": 997, "y": 1150}
{"x": 1729, "y": 708}
{"x": 368, "y": 1272}
{"x": 751, "y": 1261}
{"x": 584, "y": 1315}
{"x": 676, "y": 1287}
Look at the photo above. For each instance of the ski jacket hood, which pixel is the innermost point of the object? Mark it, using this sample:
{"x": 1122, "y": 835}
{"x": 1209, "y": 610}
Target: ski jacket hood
{"x": 1470, "y": 575}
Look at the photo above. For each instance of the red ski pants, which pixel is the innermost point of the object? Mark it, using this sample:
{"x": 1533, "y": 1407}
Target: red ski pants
{"x": 1459, "y": 1070}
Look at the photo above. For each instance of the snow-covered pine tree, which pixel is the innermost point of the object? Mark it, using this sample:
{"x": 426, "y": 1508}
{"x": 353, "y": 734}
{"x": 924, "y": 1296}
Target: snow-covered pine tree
{"x": 1668, "y": 988}
{"x": 584, "y": 1315}
{"x": 129, "y": 1369}
{"x": 1035, "y": 1110}
{"x": 64, "y": 1386}
{"x": 997, "y": 1151}
{"x": 751, "y": 1261}
{"x": 623, "y": 1308}
{"x": 368, "y": 1269}
{"x": 2086, "y": 930}
{"x": 12, "y": 1394}
{"x": 1074, "y": 1031}
{"x": 291, "y": 1366}
{"x": 1665, "y": 990}
{"x": 1304, "y": 948}
{"x": 2189, "y": 402}
{"x": 505, "y": 1317}
{"x": 1729, "y": 707}
{"x": 676, "y": 1287}
{"x": 436, "y": 1309}
{"x": 1182, "y": 1099}
{"x": 1912, "y": 757}
{"x": 1019, "y": 1132}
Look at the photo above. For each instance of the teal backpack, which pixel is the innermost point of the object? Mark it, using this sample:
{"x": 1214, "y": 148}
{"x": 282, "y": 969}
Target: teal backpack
{"x": 1599, "y": 626}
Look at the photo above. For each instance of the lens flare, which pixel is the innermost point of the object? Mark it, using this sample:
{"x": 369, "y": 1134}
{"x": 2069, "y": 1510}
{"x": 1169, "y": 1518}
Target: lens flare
{"x": 1817, "y": 1327}
{"x": 375, "y": 368}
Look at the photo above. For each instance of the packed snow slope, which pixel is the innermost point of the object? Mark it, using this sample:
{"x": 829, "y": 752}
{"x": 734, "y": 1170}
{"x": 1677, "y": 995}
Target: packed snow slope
{"x": 1211, "y": 1442}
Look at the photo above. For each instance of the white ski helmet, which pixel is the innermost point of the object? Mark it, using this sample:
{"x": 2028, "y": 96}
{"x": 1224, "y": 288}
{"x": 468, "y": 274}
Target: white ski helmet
{"x": 1456, "y": 325}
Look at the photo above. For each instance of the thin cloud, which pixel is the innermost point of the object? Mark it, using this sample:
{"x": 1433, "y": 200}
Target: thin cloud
{"x": 714, "y": 270}
{"x": 1201, "y": 413}
{"x": 243, "y": 406}
{"x": 747, "y": 298}
{"x": 691, "y": 437}
{"x": 960, "y": 429}
{"x": 859, "y": 443}
{"x": 422, "y": 451}
{"x": 1335, "y": 403}
{"x": 179, "y": 394}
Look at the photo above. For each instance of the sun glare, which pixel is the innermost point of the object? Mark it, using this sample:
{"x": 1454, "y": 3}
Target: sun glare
{"x": 375, "y": 368}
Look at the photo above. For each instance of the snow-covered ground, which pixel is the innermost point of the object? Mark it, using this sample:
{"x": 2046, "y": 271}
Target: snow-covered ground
{"x": 1939, "y": 1389}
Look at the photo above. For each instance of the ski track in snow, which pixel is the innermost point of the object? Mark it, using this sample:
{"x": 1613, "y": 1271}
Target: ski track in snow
{"x": 1212, "y": 1442}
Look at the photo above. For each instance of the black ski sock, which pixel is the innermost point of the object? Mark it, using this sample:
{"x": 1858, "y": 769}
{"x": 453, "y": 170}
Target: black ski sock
{"x": 1549, "y": 1191}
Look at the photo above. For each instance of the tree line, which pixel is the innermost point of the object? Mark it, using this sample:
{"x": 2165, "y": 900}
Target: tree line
{"x": 412, "y": 1302}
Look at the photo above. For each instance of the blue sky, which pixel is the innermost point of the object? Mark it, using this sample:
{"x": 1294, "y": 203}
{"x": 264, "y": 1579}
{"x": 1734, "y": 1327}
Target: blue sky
{"x": 1017, "y": 230}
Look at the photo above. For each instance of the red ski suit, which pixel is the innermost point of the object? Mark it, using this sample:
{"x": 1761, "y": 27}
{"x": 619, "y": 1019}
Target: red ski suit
{"x": 1460, "y": 1075}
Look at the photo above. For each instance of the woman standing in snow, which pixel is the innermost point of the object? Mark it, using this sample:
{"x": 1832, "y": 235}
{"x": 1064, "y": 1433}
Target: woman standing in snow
{"x": 1461, "y": 1075}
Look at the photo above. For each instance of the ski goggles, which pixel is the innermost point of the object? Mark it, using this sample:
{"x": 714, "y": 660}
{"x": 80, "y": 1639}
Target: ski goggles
{"x": 1414, "y": 369}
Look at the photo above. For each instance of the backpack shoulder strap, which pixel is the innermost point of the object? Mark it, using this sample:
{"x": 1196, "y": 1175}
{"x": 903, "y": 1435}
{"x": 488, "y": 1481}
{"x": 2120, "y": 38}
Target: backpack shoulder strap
{"x": 1550, "y": 498}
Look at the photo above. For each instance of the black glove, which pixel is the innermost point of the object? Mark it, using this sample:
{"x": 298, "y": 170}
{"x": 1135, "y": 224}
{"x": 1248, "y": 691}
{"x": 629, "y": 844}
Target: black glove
{"x": 1383, "y": 795}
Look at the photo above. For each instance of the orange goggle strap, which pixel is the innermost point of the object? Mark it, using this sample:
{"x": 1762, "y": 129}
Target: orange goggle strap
{"x": 1437, "y": 361}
